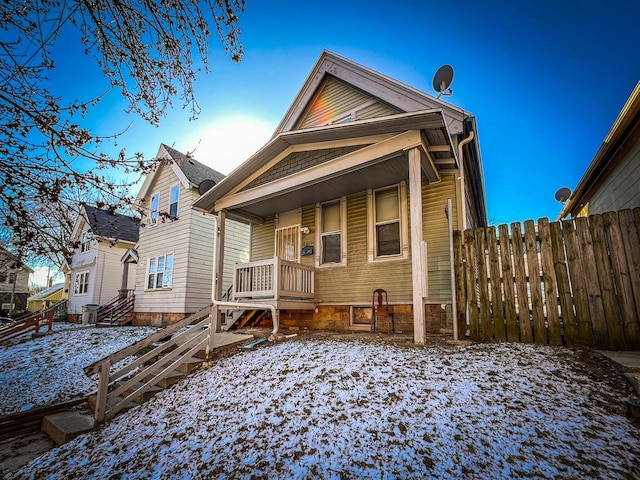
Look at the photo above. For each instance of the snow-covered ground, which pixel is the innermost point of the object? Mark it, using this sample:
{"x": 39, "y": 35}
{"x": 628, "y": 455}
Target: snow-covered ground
{"x": 49, "y": 369}
{"x": 350, "y": 409}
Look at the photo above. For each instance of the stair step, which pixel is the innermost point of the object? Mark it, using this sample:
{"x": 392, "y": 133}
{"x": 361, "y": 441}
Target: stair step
{"x": 111, "y": 402}
{"x": 190, "y": 365}
{"x": 151, "y": 391}
{"x": 65, "y": 426}
{"x": 173, "y": 377}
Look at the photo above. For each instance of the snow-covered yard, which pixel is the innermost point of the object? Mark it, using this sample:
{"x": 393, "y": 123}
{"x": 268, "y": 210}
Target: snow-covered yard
{"x": 47, "y": 370}
{"x": 351, "y": 409}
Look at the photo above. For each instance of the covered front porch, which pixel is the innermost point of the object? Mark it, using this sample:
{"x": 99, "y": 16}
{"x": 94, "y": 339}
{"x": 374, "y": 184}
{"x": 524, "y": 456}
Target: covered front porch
{"x": 307, "y": 169}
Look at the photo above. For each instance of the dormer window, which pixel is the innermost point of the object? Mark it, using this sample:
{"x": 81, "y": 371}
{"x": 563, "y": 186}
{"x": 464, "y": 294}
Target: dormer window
{"x": 85, "y": 243}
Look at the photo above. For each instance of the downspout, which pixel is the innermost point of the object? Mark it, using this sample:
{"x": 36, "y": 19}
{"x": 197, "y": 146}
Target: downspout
{"x": 463, "y": 202}
{"x": 235, "y": 305}
{"x": 463, "y": 191}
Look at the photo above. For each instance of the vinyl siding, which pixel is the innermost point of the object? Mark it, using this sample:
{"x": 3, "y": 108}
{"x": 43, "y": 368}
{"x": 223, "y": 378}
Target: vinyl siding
{"x": 161, "y": 239}
{"x": 436, "y": 233}
{"x": 355, "y": 282}
{"x": 236, "y": 249}
{"x": 621, "y": 188}
{"x": 336, "y": 99}
{"x": 108, "y": 273}
{"x": 263, "y": 241}
{"x": 376, "y": 110}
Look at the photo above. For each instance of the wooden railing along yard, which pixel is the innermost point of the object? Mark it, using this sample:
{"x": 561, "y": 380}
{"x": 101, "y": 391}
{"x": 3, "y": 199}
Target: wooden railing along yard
{"x": 117, "y": 387}
{"x": 574, "y": 282}
{"x": 32, "y": 323}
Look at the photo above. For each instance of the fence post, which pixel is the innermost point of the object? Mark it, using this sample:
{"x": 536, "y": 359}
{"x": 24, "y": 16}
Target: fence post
{"x": 101, "y": 395}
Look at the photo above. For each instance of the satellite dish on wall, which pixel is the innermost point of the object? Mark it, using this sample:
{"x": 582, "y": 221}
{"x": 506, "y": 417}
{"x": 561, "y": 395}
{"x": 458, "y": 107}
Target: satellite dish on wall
{"x": 205, "y": 186}
{"x": 563, "y": 194}
{"x": 442, "y": 80}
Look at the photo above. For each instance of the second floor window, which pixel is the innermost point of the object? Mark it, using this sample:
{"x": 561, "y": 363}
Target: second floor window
{"x": 155, "y": 208}
{"x": 160, "y": 273}
{"x": 173, "y": 201}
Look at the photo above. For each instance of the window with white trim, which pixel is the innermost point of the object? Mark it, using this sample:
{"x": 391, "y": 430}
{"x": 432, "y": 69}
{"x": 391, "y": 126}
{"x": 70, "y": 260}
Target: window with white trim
{"x": 387, "y": 220}
{"x": 155, "y": 208}
{"x": 174, "y": 196}
{"x": 160, "y": 272}
{"x": 85, "y": 243}
{"x": 331, "y": 232}
{"x": 81, "y": 283}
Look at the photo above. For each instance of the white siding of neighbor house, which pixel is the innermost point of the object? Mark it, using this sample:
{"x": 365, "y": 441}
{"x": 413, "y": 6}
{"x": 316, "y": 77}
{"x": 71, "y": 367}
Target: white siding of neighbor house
{"x": 161, "y": 239}
{"x": 190, "y": 239}
{"x": 621, "y": 188}
{"x": 102, "y": 261}
{"x": 109, "y": 271}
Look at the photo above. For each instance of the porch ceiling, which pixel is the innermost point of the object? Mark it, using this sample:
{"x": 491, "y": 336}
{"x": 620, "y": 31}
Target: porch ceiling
{"x": 374, "y": 175}
{"x": 436, "y": 143}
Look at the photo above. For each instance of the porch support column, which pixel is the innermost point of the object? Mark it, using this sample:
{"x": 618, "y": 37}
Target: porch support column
{"x": 124, "y": 284}
{"x": 222, "y": 217}
{"x": 418, "y": 264}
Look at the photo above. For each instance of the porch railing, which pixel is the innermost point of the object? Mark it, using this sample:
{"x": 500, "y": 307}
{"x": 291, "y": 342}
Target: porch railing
{"x": 273, "y": 279}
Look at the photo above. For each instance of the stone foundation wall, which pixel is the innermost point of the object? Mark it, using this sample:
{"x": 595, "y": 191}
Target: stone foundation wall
{"x": 157, "y": 319}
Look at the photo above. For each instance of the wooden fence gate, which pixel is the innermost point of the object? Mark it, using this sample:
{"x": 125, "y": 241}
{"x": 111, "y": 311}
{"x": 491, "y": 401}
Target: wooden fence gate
{"x": 574, "y": 282}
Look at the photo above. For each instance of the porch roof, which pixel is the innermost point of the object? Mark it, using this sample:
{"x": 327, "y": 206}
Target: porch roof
{"x": 386, "y": 166}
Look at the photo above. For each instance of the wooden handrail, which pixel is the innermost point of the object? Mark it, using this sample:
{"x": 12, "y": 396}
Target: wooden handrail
{"x": 33, "y": 321}
{"x": 169, "y": 354}
{"x": 145, "y": 342}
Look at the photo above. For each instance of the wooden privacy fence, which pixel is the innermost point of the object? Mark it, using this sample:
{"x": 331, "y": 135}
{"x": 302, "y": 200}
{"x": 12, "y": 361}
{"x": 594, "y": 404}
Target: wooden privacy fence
{"x": 574, "y": 282}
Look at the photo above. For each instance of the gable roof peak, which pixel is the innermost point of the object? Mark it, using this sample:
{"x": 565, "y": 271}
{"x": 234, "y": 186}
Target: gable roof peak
{"x": 389, "y": 90}
{"x": 193, "y": 170}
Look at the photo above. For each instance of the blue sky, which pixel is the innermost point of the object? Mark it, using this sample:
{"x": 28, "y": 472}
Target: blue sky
{"x": 545, "y": 80}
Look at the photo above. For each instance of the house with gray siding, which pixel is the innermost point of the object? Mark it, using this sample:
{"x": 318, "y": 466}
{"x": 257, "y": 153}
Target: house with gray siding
{"x": 174, "y": 253}
{"x": 359, "y": 189}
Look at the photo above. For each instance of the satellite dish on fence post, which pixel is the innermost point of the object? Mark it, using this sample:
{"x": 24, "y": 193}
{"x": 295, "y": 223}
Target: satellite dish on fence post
{"x": 563, "y": 194}
{"x": 442, "y": 80}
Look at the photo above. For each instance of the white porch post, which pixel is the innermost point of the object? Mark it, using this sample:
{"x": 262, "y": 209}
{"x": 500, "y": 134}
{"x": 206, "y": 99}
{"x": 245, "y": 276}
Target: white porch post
{"x": 222, "y": 216}
{"x": 417, "y": 262}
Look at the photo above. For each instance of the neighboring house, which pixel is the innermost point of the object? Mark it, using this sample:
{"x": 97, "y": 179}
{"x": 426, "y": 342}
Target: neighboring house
{"x": 175, "y": 252}
{"x": 95, "y": 275}
{"x": 45, "y": 298}
{"x": 14, "y": 284}
{"x": 612, "y": 180}
{"x": 350, "y": 196}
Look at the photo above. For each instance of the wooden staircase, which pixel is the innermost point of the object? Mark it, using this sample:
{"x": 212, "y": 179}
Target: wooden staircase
{"x": 161, "y": 360}
{"x": 118, "y": 312}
